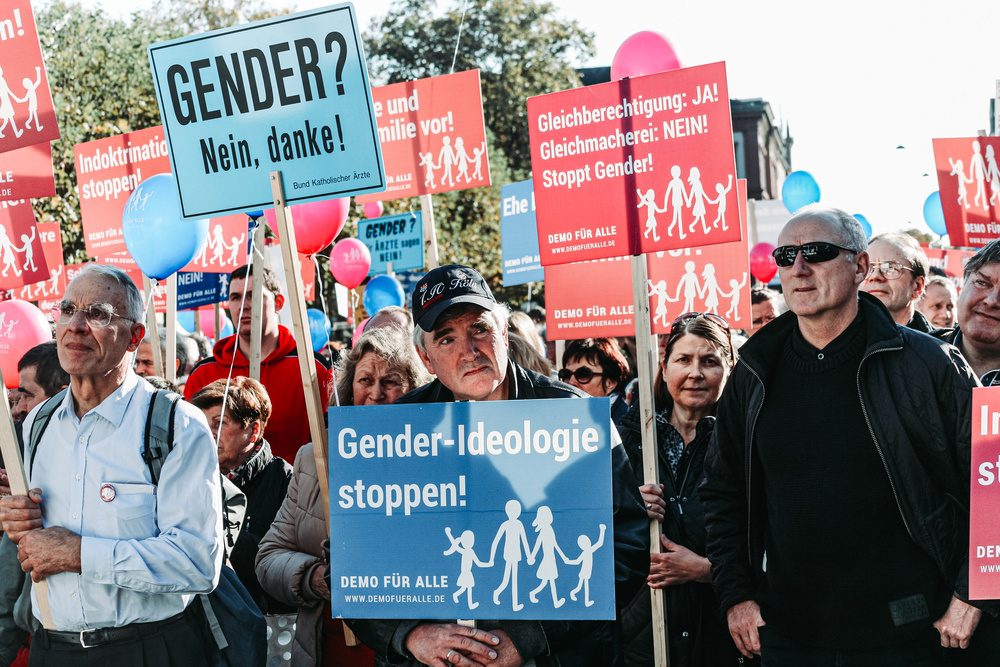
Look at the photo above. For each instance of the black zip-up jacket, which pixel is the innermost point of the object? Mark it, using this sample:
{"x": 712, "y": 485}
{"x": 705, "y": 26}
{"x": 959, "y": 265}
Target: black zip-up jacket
{"x": 916, "y": 395}
{"x": 563, "y": 643}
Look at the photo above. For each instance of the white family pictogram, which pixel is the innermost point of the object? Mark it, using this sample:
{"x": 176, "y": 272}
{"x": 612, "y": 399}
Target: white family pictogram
{"x": 676, "y": 198}
{"x": 218, "y": 246}
{"x": 453, "y": 156}
{"x": 7, "y": 99}
{"x": 708, "y": 291}
{"x": 515, "y": 549}
{"x": 983, "y": 172}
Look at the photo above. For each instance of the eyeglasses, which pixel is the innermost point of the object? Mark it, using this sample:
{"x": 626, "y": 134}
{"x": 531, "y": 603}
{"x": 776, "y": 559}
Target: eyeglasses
{"x": 583, "y": 374}
{"x": 889, "y": 269}
{"x": 814, "y": 253}
{"x": 97, "y": 314}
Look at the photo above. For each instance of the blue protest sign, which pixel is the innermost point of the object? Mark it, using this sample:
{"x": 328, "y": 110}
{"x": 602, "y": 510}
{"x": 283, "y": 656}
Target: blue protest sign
{"x": 394, "y": 238}
{"x": 287, "y": 94}
{"x": 196, "y": 289}
{"x": 519, "y": 235}
{"x": 495, "y": 509}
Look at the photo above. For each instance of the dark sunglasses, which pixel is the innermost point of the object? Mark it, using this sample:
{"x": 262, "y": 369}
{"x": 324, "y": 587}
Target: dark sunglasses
{"x": 814, "y": 253}
{"x": 583, "y": 374}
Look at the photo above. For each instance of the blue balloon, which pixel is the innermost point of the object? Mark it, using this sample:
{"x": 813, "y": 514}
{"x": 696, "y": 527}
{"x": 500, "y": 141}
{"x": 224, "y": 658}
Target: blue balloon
{"x": 382, "y": 291}
{"x": 259, "y": 213}
{"x": 159, "y": 240}
{"x": 800, "y": 189}
{"x": 934, "y": 214}
{"x": 319, "y": 328}
{"x": 865, "y": 225}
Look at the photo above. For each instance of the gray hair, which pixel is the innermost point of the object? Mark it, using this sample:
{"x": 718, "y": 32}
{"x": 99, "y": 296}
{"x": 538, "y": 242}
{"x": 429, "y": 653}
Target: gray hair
{"x": 944, "y": 282}
{"x": 911, "y": 250}
{"x": 500, "y": 314}
{"x": 988, "y": 254}
{"x": 132, "y": 297}
{"x": 389, "y": 344}
{"x": 845, "y": 225}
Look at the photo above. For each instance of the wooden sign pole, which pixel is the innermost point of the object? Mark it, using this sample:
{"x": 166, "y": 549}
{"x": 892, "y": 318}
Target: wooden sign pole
{"x": 256, "y": 306}
{"x": 430, "y": 234}
{"x": 171, "y": 361}
{"x": 152, "y": 329}
{"x": 646, "y": 355}
{"x": 18, "y": 482}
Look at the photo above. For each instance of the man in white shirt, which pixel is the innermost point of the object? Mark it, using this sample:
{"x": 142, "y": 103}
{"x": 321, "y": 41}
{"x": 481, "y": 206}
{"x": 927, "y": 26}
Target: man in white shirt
{"x": 123, "y": 557}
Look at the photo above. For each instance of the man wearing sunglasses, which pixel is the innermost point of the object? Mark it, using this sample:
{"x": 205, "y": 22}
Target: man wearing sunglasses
{"x": 842, "y": 451}
{"x": 123, "y": 557}
{"x": 461, "y": 336}
{"x": 897, "y": 270}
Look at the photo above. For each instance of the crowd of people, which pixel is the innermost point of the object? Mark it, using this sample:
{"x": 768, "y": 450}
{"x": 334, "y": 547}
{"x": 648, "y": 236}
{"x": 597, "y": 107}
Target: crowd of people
{"x": 812, "y": 493}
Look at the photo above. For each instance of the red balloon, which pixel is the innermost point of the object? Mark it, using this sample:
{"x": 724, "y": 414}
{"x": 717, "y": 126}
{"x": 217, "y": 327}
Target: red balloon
{"x": 349, "y": 262}
{"x": 359, "y": 331}
{"x": 645, "y": 52}
{"x": 374, "y": 209}
{"x": 22, "y": 327}
{"x": 762, "y": 264}
{"x": 316, "y": 223}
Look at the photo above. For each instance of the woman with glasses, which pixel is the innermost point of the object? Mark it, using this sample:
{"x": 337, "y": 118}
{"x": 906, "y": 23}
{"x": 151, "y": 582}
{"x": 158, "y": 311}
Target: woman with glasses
{"x": 697, "y": 361}
{"x": 598, "y": 367}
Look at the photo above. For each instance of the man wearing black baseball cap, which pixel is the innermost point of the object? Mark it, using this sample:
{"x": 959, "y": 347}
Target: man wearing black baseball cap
{"x": 461, "y": 336}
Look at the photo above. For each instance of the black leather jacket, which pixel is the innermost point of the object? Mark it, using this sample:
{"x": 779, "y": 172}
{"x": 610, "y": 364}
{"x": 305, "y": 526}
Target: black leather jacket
{"x": 916, "y": 394}
{"x": 564, "y": 643}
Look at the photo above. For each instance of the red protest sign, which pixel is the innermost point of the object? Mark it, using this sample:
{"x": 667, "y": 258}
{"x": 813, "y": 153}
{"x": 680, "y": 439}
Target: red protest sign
{"x": 589, "y": 299}
{"x": 52, "y": 288}
{"x": 637, "y": 165}
{"x": 969, "y": 181}
{"x": 433, "y": 136}
{"x": 984, "y": 524}
{"x": 26, "y": 173}
{"x": 27, "y": 115}
{"x": 950, "y": 260}
{"x": 108, "y": 170}
{"x": 226, "y": 248}
{"x": 21, "y": 259}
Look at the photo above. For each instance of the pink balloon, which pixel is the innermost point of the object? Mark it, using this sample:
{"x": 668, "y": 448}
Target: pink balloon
{"x": 374, "y": 209}
{"x": 645, "y": 52}
{"x": 762, "y": 264}
{"x": 22, "y": 327}
{"x": 358, "y": 331}
{"x": 316, "y": 223}
{"x": 349, "y": 262}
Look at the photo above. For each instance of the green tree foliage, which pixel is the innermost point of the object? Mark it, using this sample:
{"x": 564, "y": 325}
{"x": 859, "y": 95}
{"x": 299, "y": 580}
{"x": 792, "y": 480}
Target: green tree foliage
{"x": 522, "y": 49}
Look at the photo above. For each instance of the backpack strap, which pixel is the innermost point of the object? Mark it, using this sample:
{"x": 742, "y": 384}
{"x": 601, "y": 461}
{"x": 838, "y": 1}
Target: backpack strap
{"x": 159, "y": 431}
{"x": 41, "y": 422}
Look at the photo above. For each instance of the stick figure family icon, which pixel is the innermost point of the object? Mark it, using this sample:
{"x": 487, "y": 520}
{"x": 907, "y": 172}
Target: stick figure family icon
{"x": 217, "y": 245}
{"x": 676, "y": 199}
{"x": 453, "y": 156}
{"x": 981, "y": 172}
{"x": 7, "y": 99}
{"x": 9, "y": 253}
{"x": 513, "y": 535}
{"x": 708, "y": 291}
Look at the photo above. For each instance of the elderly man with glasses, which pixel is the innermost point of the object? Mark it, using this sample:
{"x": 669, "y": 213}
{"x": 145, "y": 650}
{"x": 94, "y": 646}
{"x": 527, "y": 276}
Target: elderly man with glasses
{"x": 897, "y": 271}
{"x": 123, "y": 557}
{"x": 842, "y": 451}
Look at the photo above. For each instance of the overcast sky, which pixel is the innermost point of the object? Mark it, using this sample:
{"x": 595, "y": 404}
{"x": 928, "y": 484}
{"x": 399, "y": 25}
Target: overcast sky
{"x": 852, "y": 83}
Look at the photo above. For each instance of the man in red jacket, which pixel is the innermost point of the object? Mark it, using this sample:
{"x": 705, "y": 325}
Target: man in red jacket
{"x": 288, "y": 428}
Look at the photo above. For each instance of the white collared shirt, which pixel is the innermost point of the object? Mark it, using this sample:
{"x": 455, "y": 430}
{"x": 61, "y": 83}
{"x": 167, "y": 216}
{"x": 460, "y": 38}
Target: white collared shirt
{"x": 146, "y": 549}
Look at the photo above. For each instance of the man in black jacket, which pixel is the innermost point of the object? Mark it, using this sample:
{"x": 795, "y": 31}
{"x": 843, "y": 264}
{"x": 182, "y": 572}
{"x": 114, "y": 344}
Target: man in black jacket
{"x": 461, "y": 336}
{"x": 842, "y": 450}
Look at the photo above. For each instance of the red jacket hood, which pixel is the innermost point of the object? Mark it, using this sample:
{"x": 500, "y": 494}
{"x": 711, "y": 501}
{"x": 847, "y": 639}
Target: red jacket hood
{"x": 226, "y": 348}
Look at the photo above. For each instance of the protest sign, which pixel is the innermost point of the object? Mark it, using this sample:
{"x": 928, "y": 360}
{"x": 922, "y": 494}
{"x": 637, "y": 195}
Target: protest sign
{"x": 984, "y": 528}
{"x": 969, "y": 182}
{"x": 394, "y": 238}
{"x": 51, "y": 288}
{"x": 195, "y": 289}
{"x": 287, "y": 94}
{"x": 950, "y": 260}
{"x": 431, "y": 506}
{"x": 22, "y": 261}
{"x": 519, "y": 234}
{"x": 107, "y": 171}
{"x": 433, "y": 136}
{"x": 27, "y": 116}
{"x": 608, "y": 159}
{"x": 589, "y": 299}
{"x": 226, "y": 248}
{"x": 26, "y": 173}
